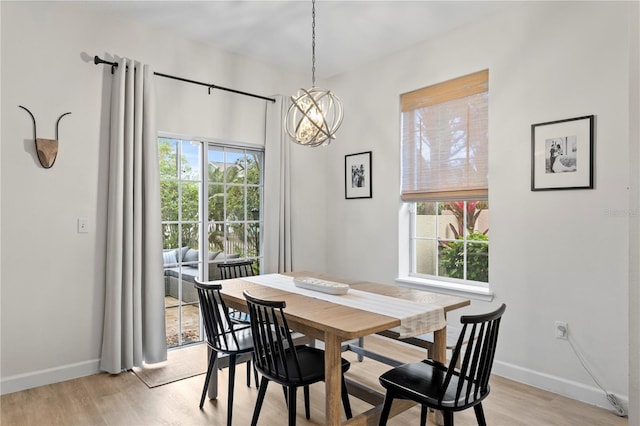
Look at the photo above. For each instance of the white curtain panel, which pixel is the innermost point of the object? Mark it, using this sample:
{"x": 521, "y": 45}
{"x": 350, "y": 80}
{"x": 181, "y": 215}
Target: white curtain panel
{"x": 277, "y": 190}
{"x": 134, "y": 325}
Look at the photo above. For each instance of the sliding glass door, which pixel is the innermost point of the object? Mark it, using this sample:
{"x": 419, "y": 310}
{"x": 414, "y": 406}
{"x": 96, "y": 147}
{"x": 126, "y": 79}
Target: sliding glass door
{"x": 222, "y": 183}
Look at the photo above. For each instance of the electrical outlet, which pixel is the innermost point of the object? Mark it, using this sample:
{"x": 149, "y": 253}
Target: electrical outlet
{"x": 83, "y": 225}
{"x": 562, "y": 330}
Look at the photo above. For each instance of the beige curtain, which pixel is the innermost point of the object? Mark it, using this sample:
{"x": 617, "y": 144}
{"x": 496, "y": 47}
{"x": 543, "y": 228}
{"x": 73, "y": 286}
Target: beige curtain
{"x": 277, "y": 190}
{"x": 134, "y": 327}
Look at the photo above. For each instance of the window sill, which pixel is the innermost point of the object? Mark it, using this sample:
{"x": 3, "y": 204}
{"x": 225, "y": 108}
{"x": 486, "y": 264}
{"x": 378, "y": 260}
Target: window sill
{"x": 454, "y": 289}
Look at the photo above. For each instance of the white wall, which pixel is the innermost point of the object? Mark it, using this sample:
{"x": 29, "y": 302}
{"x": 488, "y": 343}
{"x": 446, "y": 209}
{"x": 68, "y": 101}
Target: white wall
{"x": 52, "y": 277}
{"x": 556, "y": 255}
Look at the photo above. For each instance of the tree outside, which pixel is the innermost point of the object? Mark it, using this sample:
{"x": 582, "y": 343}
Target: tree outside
{"x": 233, "y": 198}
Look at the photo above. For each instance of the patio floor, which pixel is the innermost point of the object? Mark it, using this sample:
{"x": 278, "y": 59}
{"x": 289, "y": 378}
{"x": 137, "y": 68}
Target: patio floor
{"x": 190, "y": 322}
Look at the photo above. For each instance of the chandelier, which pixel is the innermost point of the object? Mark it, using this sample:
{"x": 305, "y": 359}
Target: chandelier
{"x": 315, "y": 114}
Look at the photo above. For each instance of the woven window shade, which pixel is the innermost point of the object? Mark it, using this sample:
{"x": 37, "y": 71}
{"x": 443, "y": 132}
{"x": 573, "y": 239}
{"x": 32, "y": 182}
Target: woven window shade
{"x": 445, "y": 140}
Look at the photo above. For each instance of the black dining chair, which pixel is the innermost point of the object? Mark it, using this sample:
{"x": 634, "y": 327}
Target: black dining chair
{"x": 237, "y": 269}
{"x": 223, "y": 337}
{"x": 278, "y": 359}
{"x": 449, "y": 388}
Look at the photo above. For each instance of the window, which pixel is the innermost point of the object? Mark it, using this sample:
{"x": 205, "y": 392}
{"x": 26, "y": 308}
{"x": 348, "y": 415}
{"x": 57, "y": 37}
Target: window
{"x": 211, "y": 198}
{"x": 450, "y": 239}
{"x": 444, "y": 180}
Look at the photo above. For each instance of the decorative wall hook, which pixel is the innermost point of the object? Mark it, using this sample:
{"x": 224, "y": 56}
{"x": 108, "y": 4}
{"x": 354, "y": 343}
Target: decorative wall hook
{"x": 47, "y": 149}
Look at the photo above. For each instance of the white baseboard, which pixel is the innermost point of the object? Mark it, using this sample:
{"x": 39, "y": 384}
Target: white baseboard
{"x": 34, "y": 379}
{"x": 574, "y": 390}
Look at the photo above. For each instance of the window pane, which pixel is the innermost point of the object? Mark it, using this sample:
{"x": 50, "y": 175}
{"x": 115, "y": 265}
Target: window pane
{"x": 235, "y": 166}
{"x": 425, "y": 256}
{"x": 235, "y": 239}
{"x": 215, "y": 159}
{"x": 254, "y": 176}
{"x": 216, "y": 237}
{"x": 253, "y": 240}
{"x": 190, "y": 160}
{"x": 190, "y": 197}
{"x": 235, "y": 203}
{"x": 451, "y": 263}
{"x": 169, "y": 200}
{"x": 216, "y": 203}
{"x": 253, "y": 203}
{"x": 426, "y": 219}
{"x": 478, "y": 262}
{"x": 167, "y": 153}
{"x": 172, "y": 313}
{"x": 170, "y": 234}
{"x": 190, "y": 323}
{"x": 477, "y": 217}
{"x": 190, "y": 235}
{"x": 450, "y": 221}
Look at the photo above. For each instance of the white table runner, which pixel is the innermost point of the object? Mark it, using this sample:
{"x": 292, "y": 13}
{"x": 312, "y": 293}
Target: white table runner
{"x": 415, "y": 318}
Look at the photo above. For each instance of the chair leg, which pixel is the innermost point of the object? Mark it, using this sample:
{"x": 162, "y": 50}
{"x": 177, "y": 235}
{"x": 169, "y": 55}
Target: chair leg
{"x": 386, "y": 408}
{"x": 480, "y": 415}
{"x": 424, "y": 413}
{"x": 249, "y": 373}
{"x": 307, "y": 411}
{"x": 232, "y": 376}
{"x": 255, "y": 370}
{"x": 207, "y": 377}
{"x": 448, "y": 418}
{"x": 345, "y": 399}
{"x": 261, "y": 393}
{"x": 291, "y": 398}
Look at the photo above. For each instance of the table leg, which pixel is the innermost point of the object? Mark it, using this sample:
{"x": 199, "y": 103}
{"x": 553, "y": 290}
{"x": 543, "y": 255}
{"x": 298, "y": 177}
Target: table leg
{"x": 213, "y": 382}
{"x": 440, "y": 355}
{"x": 332, "y": 375}
{"x": 440, "y": 345}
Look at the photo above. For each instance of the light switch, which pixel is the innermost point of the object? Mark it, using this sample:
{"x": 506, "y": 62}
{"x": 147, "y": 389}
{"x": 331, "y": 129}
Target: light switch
{"x": 83, "y": 225}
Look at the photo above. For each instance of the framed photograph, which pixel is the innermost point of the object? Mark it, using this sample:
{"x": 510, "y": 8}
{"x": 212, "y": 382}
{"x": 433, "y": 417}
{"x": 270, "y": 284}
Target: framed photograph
{"x": 562, "y": 154}
{"x": 357, "y": 175}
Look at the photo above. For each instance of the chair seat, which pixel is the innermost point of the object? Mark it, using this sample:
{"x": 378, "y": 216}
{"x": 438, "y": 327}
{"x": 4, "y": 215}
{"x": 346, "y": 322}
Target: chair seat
{"x": 242, "y": 337}
{"x": 422, "y": 382}
{"x": 311, "y": 366}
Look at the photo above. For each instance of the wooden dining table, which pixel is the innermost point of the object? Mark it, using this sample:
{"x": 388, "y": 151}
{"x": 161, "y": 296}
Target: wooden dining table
{"x": 334, "y": 324}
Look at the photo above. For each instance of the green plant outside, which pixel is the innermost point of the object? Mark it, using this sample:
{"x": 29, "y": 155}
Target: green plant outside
{"x": 452, "y": 258}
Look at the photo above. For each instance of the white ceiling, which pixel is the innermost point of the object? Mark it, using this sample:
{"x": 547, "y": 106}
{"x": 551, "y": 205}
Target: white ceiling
{"x": 348, "y": 33}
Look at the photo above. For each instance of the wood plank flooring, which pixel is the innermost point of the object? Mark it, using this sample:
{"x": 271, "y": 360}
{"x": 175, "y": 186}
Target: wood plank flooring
{"x": 124, "y": 399}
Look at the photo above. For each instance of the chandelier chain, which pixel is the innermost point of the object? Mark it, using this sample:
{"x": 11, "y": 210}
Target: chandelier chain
{"x": 313, "y": 43}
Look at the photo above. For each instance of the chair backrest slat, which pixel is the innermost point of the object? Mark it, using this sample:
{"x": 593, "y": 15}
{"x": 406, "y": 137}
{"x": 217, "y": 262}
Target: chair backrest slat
{"x": 215, "y": 315}
{"x": 236, "y": 269}
{"x": 479, "y": 334}
{"x": 275, "y": 354}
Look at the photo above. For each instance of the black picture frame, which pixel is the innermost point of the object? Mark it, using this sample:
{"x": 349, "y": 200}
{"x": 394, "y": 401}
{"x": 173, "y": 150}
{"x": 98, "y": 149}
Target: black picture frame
{"x": 357, "y": 175}
{"x": 562, "y": 155}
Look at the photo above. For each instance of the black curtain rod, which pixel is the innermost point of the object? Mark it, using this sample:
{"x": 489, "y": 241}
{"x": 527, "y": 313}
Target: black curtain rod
{"x": 97, "y": 60}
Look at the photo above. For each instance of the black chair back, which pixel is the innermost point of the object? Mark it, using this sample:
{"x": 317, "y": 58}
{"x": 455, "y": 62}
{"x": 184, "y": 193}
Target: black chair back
{"x": 239, "y": 269}
{"x": 275, "y": 356}
{"x": 217, "y": 324}
{"x": 478, "y": 337}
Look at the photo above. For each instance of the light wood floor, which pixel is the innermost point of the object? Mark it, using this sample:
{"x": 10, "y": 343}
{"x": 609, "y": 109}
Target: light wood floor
{"x": 123, "y": 399}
